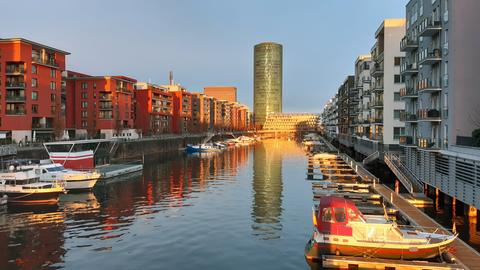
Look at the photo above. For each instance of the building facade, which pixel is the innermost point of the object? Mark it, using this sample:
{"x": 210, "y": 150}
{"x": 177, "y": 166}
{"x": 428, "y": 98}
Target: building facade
{"x": 31, "y": 83}
{"x": 292, "y": 122}
{"x": 153, "y": 109}
{"x": 267, "y": 81}
{"x": 100, "y": 106}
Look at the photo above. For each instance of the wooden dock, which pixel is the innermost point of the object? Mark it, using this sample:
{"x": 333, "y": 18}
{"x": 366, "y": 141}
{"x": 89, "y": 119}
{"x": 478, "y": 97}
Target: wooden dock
{"x": 462, "y": 252}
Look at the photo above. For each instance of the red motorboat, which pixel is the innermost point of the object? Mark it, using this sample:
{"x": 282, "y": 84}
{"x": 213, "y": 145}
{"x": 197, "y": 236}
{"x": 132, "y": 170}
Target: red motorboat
{"x": 341, "y": 229}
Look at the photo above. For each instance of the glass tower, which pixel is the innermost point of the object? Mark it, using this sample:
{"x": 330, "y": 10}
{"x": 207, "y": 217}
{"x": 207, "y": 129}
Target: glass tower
{"x": 267, "y": 80}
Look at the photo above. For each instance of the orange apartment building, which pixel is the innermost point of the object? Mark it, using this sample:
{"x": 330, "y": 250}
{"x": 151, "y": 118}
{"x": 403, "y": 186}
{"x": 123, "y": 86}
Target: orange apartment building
{"x": 182, "y": 108}
{"x": 153, "y": 109}
{"x": 100, "y": 106}
{"x": 200, "y": 112}
{"x": 31, "y": 87}
{"x": 228, "y": 93}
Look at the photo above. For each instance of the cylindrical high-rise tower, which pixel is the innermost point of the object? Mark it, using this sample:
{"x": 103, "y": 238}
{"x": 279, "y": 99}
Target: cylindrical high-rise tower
{"x": 267, "y": 80}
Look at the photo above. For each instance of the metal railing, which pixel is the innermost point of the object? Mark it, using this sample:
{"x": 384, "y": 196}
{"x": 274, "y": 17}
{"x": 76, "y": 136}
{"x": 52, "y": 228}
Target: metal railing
{"x": 408, "y": 179}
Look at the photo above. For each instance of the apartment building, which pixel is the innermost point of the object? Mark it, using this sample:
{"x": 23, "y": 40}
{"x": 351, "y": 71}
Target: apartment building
{"x": 31, "y": 83}
{"x": 228, "y": 93}
{"x": 441, "y": 95}
{"x": 347, "y": 110}
{"x": 329, "y": 118}
{"x": 362, "y": 83}
{"x": 100, "y": 106}
{"x": 153, "y": 109}
{"x": 200, "y": 112}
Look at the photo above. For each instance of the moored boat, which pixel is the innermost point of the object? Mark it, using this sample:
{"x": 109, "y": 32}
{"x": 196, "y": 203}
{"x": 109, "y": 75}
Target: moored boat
{"x": 201, "y": 148}
{"x": 23, "y": 186}
{"x": 341, "y": 229}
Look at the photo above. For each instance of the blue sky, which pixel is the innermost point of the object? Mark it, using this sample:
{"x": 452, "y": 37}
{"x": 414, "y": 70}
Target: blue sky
{"x": 208, "y": 42}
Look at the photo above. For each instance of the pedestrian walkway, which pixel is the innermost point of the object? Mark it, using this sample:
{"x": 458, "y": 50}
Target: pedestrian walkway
{"x": 462, "y": 252}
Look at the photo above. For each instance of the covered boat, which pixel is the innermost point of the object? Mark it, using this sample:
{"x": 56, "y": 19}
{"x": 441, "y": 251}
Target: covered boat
{"x": 341, "y": 229}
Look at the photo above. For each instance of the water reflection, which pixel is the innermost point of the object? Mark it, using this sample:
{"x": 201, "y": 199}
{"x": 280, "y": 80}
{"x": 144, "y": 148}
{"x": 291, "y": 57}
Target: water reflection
{"x": 267, "y": 189}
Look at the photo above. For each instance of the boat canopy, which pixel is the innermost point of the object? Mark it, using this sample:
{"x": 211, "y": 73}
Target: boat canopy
{"x": 334, "y": 214}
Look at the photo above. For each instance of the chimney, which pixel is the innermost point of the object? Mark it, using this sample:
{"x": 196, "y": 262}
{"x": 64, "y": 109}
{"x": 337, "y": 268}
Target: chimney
{"x": 171, "y": 77}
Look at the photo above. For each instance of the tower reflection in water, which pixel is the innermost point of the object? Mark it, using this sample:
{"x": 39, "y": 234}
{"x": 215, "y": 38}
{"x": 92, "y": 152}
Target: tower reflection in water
{"x": 267, "y": 189}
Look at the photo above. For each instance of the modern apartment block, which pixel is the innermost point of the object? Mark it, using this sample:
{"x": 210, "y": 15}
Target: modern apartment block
{"x": 362, "y": 83}
{"x": 31, "y": 85}
{"x": 329, "y": 119}
{"x": 100, "y": 106}
{"x": 153, "y": 109}
{"x": 200, "y": 112}
{"x": 441, "y": 95}
{"x": 182, "y": 109}
{"x": 347, "y": 110}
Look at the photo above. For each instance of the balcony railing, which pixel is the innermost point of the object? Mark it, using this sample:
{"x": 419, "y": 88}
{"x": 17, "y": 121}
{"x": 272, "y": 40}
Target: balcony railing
{"x": 44, "y": 61}
{"x": 377, "y": 103}
{"x": 408, "y": 117}
{"x": 408, "y": 44}
{"x": 427, "y": 143}
{"x": 406, "y": 140}
{"x": 378, "y": 87}
{"x": 105, "y": 97}
{"x": 408, "y": 68}
{"x": 367, "y": 93}
{"x": 16, "y": 112}
{"x": 14, "y": 70}
{"x": 430, "y": 56}
{"x": 377, "y": 70}
{"x": 12, "y": 85}
{"x": 427, "y": 85}
{"x": 430, "y": 26}
{"x": 408, "y": 92}
{"x": 376, "y": 137}
{"x": 376, "y": 120}
{"x": 13, "y": 98}
{"x": 429, "y": 114}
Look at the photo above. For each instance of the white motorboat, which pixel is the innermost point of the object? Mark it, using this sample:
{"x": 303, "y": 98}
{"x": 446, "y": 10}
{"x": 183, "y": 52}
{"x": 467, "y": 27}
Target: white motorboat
{"x": 74, "y": 180}
{"x": 23, "y": 186}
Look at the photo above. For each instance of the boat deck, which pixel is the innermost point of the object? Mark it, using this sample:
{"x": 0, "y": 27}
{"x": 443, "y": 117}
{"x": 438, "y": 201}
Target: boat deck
{"x": 114, "y": 170}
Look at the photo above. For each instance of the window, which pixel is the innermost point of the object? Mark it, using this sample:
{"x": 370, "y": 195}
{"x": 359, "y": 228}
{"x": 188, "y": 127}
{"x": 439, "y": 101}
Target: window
{"x": 34, "y": 82}
{"x": 34, "y": 69}
{"x": 34, "y": 108}
{"x": 397, "y": 132}
{"x": 353, "y": 216}
{"x": 84, "y": 124}
{"x": 340, "y": 215}
{"x": 84, "y": 114}
{"x": 34, "y": 95}
{"x": 53, "y": 73}
{"x": 84, "y": 104}
{"x": 53, "y": 85}
{"x": 398, "y": 79}
{"x": 396, "y": 114}
{"x": 396, "y": 61}
{"x": 84, "y": 85}
{"x": 94, "y": 85}
{"x": 53, "y": 109}
{"x": 52, "y": 97}
{"x": 84, "y": 95}
{"x": 396, "y": 96}
{"x": 327, "y": 215}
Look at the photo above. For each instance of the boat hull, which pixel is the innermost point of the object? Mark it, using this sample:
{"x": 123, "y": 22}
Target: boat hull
{"x": 83, "y": 184}
{"x": 48, "y": 197}
{"x": 315, "y": 250}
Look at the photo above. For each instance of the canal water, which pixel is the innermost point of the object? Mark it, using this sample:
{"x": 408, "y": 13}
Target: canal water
{"x": 246, "y": 208}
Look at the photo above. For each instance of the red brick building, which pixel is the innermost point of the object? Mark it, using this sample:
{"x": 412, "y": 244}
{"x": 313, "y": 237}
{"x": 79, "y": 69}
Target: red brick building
{"x": 31, "y": 87}
{"x": 228, "y": 93}
{"x": 153, "y": 109}
{"x": 100, "y": 106}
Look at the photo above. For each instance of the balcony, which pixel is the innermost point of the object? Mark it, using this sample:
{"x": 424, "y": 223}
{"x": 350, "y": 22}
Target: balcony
{"x": 406, "y": 140}
{"x": 105, "y": 107}
{"x": 376, "y": 137}
{"x": 428, "y": 144}
{"x": 376, "y": 120}
{"x": 105, "y": 97}
{"x": 367, "y": 93}
{"x": 377, "y": 70}
{"x": 15, "y": 112}
{"x": 429, "y": 115}
{"x": 15, "y": 85}
{"x": 14, "y": 70}
{"x": 429, "y": 27}
{"x": 408, "y": 69}
{"x": 430, "y": 57}
{"x": 44, "y": 61}
{"x": 378, "y": 103}
{"x": 408, "y": 92}
{"x": 408, "y": 117}
{"x": 378, "y": 87}
{"x": 15, "y": 99}
{"x": 429, "y": 86}
{"x": 408, "y": 45}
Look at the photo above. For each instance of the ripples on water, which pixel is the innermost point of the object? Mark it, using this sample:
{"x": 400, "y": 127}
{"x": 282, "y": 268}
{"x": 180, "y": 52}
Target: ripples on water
{"x": 246, "y": 208}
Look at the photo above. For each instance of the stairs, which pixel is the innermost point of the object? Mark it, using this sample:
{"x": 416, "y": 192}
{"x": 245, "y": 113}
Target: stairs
{"x": 371, "y": 157}
{"x": 409, "y": 180}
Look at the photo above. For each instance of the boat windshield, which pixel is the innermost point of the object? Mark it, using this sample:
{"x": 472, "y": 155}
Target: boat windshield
{"x": 355, "y": 216}
{"x": 56, "y": 169}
